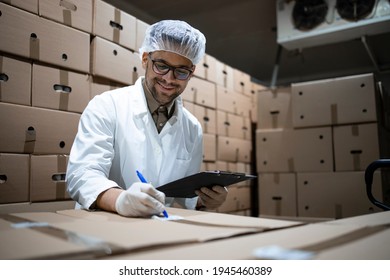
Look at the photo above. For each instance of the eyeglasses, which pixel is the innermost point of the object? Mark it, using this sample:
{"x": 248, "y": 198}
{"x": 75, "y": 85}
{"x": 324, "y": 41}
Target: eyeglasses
{"x": 161, "y": 68}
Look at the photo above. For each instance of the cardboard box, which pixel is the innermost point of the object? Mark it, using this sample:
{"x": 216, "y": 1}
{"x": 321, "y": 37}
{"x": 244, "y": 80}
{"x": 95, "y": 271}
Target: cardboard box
{"x": 233, "y": 126}
{"x": 14, "y": 178}
{"x": 28, "y": 35}
{"x": 334, "y": 101}
{"x": 225, "y": 75}
{"x": 114, "y": 25}
{"x": 242, "y": 82}
{"x": 15, "y": 81}
{"x": 355, "y": 146}
{"x": 79, "y": 234}
{"x": 200, "y": 92}
{"x": 140, "y": 33}
{"x": 59, "y": 89}
{"x": 321, "y": 240}
{"x": 206, "y": 69}
{"x": 243, "y": 105}
{"x": 207, "y": 117}
{"x": 99, "y": 85}
{"x": 47, "y": 180}
{"x": 234, "y": 149}
{"x": 277, "y": 194}
{"x": 30, "y": 5}
{"x": 294, "y": 150}
{"x": 77, "y": 14}
{"x": 114, "y": 62}
{"x": 336, "y": 194}
{"x": 209, "y": 147}
{"x": 274, "y": 108}
{"x": 36, "y": 130}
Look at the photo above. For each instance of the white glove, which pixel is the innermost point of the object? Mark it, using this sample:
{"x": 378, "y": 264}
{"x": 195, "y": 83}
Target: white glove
{"x": 140, "y": 199}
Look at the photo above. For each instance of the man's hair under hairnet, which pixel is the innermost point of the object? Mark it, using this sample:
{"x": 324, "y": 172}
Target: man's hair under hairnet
{"x": 175, "y": 36}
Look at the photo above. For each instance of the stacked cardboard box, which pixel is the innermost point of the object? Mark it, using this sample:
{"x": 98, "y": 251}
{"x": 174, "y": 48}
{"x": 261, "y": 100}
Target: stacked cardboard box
{"x": 313, "y": 143}
{"x": 56, "y": 56}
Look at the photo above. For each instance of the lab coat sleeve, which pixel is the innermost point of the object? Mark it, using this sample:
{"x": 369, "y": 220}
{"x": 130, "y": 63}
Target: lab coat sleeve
{"x": 92, "y": 152}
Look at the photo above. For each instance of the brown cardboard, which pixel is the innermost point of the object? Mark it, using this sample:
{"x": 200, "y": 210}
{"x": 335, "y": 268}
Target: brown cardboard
{"x": 30, "y": 5}
{"x": 274, "y": 108}
{"x": 325, "y": 241}
{"x": 15, "y": 81}
{"x": 207, "y": 118}
{"x": 233, "y": 125}
{"x": 290, "y": 150}
{"x": 77, "y": 14}
{"x": 335, "y": 194}
{"x": 224, "y": 75}
{"x": 200, "y": 92}
{"x": 114, "y": 62}
{"x": 134, "y": 234}
{"x": 355, "y": 146}
{"x": 209, "y": 147}
{"x": 99, "y": 85}
{"x": 28, "y": 35}
{"x": 242, "y": 82}
{"x": 140, "y": 33}
{"x": 47, "y": 179}
{"x": 206, "y": 69}
{"x": 114, "y": 25}
{"x": 36, "y": 130}
{"x": 277, "y": 194}
{"x": 334, "y": 101}
{"x": 226, "y": 99}
{"x": 59, "y": 89}
{"x": 234, "y": 149}
{"x": 49, "y": 206}
{"x": 14, "y": 178}
{"x": 243, "y": 105}
{"x": 30, "y": 243}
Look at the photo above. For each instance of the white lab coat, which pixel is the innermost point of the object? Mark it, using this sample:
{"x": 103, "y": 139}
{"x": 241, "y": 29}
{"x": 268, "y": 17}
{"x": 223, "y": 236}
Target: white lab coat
{"x": 117, "y": 136}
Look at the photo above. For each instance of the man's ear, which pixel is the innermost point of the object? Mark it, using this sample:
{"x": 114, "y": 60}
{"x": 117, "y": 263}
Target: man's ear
{"x": 144, "y": 59}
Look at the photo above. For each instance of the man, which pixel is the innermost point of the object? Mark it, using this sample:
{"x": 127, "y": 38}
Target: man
{"x": 143, "y": 127}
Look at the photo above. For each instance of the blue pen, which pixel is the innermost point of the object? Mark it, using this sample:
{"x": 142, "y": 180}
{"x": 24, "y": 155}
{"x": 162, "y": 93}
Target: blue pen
{"x": 143, "y": 180}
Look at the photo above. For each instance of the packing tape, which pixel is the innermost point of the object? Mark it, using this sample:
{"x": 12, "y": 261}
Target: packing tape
{"x": 117, "y": 28}
{"x": 30, "y": 140}
{"x": 34, "y": 46}
{"x": 64, "y": 96}
{"x": 61, "y": 191}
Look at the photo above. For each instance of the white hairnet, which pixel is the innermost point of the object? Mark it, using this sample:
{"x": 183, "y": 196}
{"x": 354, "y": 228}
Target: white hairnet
{"x": 175, "y": 36}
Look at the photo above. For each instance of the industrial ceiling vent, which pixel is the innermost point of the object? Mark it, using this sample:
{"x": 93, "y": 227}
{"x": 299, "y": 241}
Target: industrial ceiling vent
{"x": 307, "y": 23}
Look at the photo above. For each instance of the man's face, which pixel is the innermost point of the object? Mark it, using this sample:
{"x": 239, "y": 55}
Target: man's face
{"x": 165, "y": 87}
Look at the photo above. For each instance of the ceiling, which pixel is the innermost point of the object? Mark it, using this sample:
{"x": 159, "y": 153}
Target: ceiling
{"x": 243, "y": 34}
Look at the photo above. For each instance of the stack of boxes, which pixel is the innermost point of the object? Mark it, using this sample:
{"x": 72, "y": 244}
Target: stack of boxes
{"x": 313, "y": 143}
{"x": 55, "y": 56}
{"x": 222, "y": 99}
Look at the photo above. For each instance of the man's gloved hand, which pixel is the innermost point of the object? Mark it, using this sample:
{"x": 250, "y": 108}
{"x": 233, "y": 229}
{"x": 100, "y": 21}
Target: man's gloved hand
{"x": 212, "y": 198}
{"x": 140, "y": 199}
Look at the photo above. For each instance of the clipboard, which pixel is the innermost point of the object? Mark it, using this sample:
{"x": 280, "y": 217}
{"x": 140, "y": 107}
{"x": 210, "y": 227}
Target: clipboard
{"x": 186, "y": 186}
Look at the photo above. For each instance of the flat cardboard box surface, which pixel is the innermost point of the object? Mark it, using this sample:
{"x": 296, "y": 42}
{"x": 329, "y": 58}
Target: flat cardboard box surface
{"x": 89, "y": 232}
{"x": 75, "y": 14}
{"x": 15, "y": 81}
{"x": 323, "y": 240}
